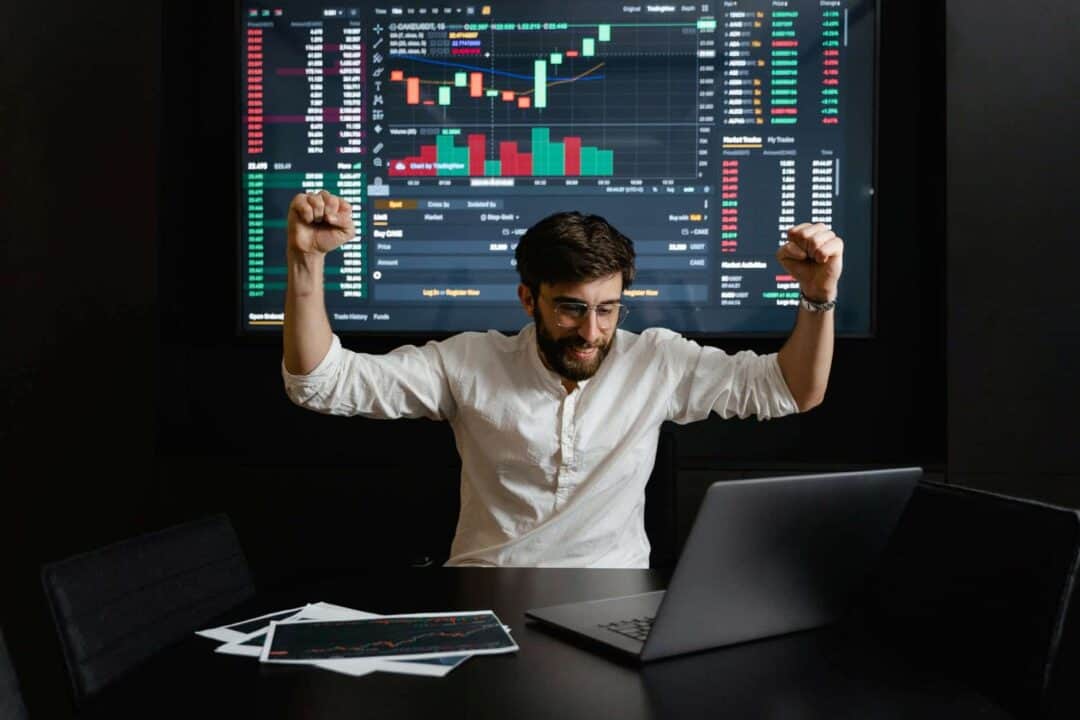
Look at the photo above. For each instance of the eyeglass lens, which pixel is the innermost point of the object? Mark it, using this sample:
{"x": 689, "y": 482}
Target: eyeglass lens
{"x": 573, "y": 313}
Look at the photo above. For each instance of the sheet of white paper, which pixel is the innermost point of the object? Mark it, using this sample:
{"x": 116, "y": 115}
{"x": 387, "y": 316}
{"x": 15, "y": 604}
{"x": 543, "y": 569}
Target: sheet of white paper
{"x": 236, "y": 631}
{"x": 363, "y": 666}
{"x": 244, "y": 647}
{"x": 329, "y": 611}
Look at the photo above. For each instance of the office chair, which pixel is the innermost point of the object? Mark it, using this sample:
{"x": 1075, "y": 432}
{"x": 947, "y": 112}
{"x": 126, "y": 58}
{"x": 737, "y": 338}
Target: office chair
{"x": 980, "y": 585}
{"x": 11, "y": 702}
{"x": 116, "y": 606}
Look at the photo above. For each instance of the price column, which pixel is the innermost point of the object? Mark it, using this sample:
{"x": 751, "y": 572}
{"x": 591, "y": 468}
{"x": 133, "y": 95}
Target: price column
{"x": 314, "y": 71}
{"x": 729, "y": 206}
{"x": 254, "y": 99}
{"x": 784, "y": 69}
{"x": 254, "y": 189}
{"x": 786, "y": 218}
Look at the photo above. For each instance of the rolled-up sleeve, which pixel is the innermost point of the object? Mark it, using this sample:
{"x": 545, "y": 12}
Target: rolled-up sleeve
{"x": 740, "y": 385}
{"x": 409, "y": 382}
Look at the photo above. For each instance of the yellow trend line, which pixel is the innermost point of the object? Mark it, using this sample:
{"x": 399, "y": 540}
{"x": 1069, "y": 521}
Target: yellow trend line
{"x": 568, "y": 80}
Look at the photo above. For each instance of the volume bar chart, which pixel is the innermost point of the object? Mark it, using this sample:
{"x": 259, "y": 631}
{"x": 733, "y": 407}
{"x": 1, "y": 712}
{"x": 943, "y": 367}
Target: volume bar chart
{"x": 547, "y": 158}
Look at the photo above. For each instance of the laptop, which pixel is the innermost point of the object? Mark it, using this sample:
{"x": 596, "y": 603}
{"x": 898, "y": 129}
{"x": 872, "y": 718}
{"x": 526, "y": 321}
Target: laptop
{"x": 765, "y": 557}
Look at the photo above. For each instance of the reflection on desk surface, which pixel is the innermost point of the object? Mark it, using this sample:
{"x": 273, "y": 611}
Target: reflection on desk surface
{"x": 833, "y": 672}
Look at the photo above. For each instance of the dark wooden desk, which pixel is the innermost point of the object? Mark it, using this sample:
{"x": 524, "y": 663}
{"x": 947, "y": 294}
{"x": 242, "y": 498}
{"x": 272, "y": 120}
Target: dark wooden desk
{"x": 832, "y": 673}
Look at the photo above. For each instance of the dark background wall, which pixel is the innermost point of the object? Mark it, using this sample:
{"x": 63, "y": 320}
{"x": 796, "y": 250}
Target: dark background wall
{"x": 1013, "y": 83}
{"x": 128, "y": 403}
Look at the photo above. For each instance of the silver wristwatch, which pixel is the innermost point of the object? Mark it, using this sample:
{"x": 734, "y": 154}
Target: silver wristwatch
{"x": 812, "y": 306}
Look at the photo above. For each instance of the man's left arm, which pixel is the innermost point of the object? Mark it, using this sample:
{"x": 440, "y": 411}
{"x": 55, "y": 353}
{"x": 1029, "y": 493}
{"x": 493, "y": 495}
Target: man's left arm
{"x": 813, "y": 255}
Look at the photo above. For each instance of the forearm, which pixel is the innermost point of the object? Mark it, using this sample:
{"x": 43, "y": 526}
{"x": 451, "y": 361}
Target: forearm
{"x": 307, "y": 334}
{"x": 806, "y": 357}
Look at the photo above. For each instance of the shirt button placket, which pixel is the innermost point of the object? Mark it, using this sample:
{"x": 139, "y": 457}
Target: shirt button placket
{"x": 566, "y": 445}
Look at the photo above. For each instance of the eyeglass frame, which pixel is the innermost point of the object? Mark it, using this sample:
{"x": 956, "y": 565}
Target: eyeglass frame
{"x": 621, "y": 311}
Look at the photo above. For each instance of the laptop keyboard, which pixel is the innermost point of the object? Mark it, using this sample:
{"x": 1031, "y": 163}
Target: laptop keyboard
{"x": 636, "y": 628}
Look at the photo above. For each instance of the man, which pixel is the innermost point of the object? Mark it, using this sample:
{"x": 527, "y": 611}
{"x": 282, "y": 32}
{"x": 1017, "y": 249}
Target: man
{"x": 557, "y": 426}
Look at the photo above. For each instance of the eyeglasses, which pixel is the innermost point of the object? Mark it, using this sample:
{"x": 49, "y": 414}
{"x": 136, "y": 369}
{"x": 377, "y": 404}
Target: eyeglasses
{"x": 572, "y": 314}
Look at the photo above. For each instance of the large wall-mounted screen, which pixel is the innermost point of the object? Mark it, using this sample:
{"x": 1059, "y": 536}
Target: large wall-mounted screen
{"x": 701, "y": 130}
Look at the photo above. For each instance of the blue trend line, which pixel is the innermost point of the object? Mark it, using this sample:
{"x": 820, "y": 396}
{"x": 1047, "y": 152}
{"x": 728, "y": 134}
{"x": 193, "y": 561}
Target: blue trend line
{"x": 488, "y": 70}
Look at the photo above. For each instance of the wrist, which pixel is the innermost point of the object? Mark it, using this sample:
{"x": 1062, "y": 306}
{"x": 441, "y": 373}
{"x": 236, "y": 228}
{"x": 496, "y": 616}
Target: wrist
{"x": 816, "y": 306}
{"x": 301, "y": 260}
{"x": 305, "y": 272}
{"x": 819, "y": 294}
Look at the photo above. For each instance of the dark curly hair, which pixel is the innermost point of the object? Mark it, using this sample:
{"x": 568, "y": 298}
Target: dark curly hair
{"x": 573, "y": 247}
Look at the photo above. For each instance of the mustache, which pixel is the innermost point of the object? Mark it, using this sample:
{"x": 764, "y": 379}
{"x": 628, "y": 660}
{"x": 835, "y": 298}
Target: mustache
{"x": 578, "y": 343}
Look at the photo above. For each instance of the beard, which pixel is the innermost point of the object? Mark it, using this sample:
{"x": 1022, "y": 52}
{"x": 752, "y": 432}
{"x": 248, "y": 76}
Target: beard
{"x": 558, "y": 355}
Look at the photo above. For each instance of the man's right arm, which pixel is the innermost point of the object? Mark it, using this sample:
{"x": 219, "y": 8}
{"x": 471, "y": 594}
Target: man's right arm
{"x": 408, "y": 382}
{"x": 317, "y": 224}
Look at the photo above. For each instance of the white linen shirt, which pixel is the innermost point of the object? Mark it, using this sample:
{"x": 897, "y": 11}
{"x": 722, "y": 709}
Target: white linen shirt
{"x": 548, "y": 478}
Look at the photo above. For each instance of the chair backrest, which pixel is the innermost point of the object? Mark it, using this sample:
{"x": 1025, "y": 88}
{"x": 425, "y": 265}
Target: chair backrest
{"x": 116, "y": 606}
{"x": 11, "y": 702}
{"x": 981, "y": 584}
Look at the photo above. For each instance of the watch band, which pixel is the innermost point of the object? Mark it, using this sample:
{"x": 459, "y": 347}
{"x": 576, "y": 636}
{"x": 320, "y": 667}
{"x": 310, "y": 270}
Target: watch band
{"x": 813, "y": 306}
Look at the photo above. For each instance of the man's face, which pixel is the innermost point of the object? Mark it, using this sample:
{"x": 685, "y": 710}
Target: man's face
{"x": 574, "y": 352}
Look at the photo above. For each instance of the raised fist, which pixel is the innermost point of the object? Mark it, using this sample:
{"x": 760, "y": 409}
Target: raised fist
{"x": 814, "y": 256}
{"x": 318, "y": 223}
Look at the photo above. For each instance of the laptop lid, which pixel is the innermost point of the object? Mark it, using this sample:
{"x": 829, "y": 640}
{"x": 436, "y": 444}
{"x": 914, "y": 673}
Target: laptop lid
{"x": 768, "y": 556}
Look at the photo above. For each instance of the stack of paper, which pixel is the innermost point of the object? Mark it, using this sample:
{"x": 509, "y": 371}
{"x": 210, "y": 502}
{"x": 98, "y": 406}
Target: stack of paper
{"x": 356, "y": 643}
